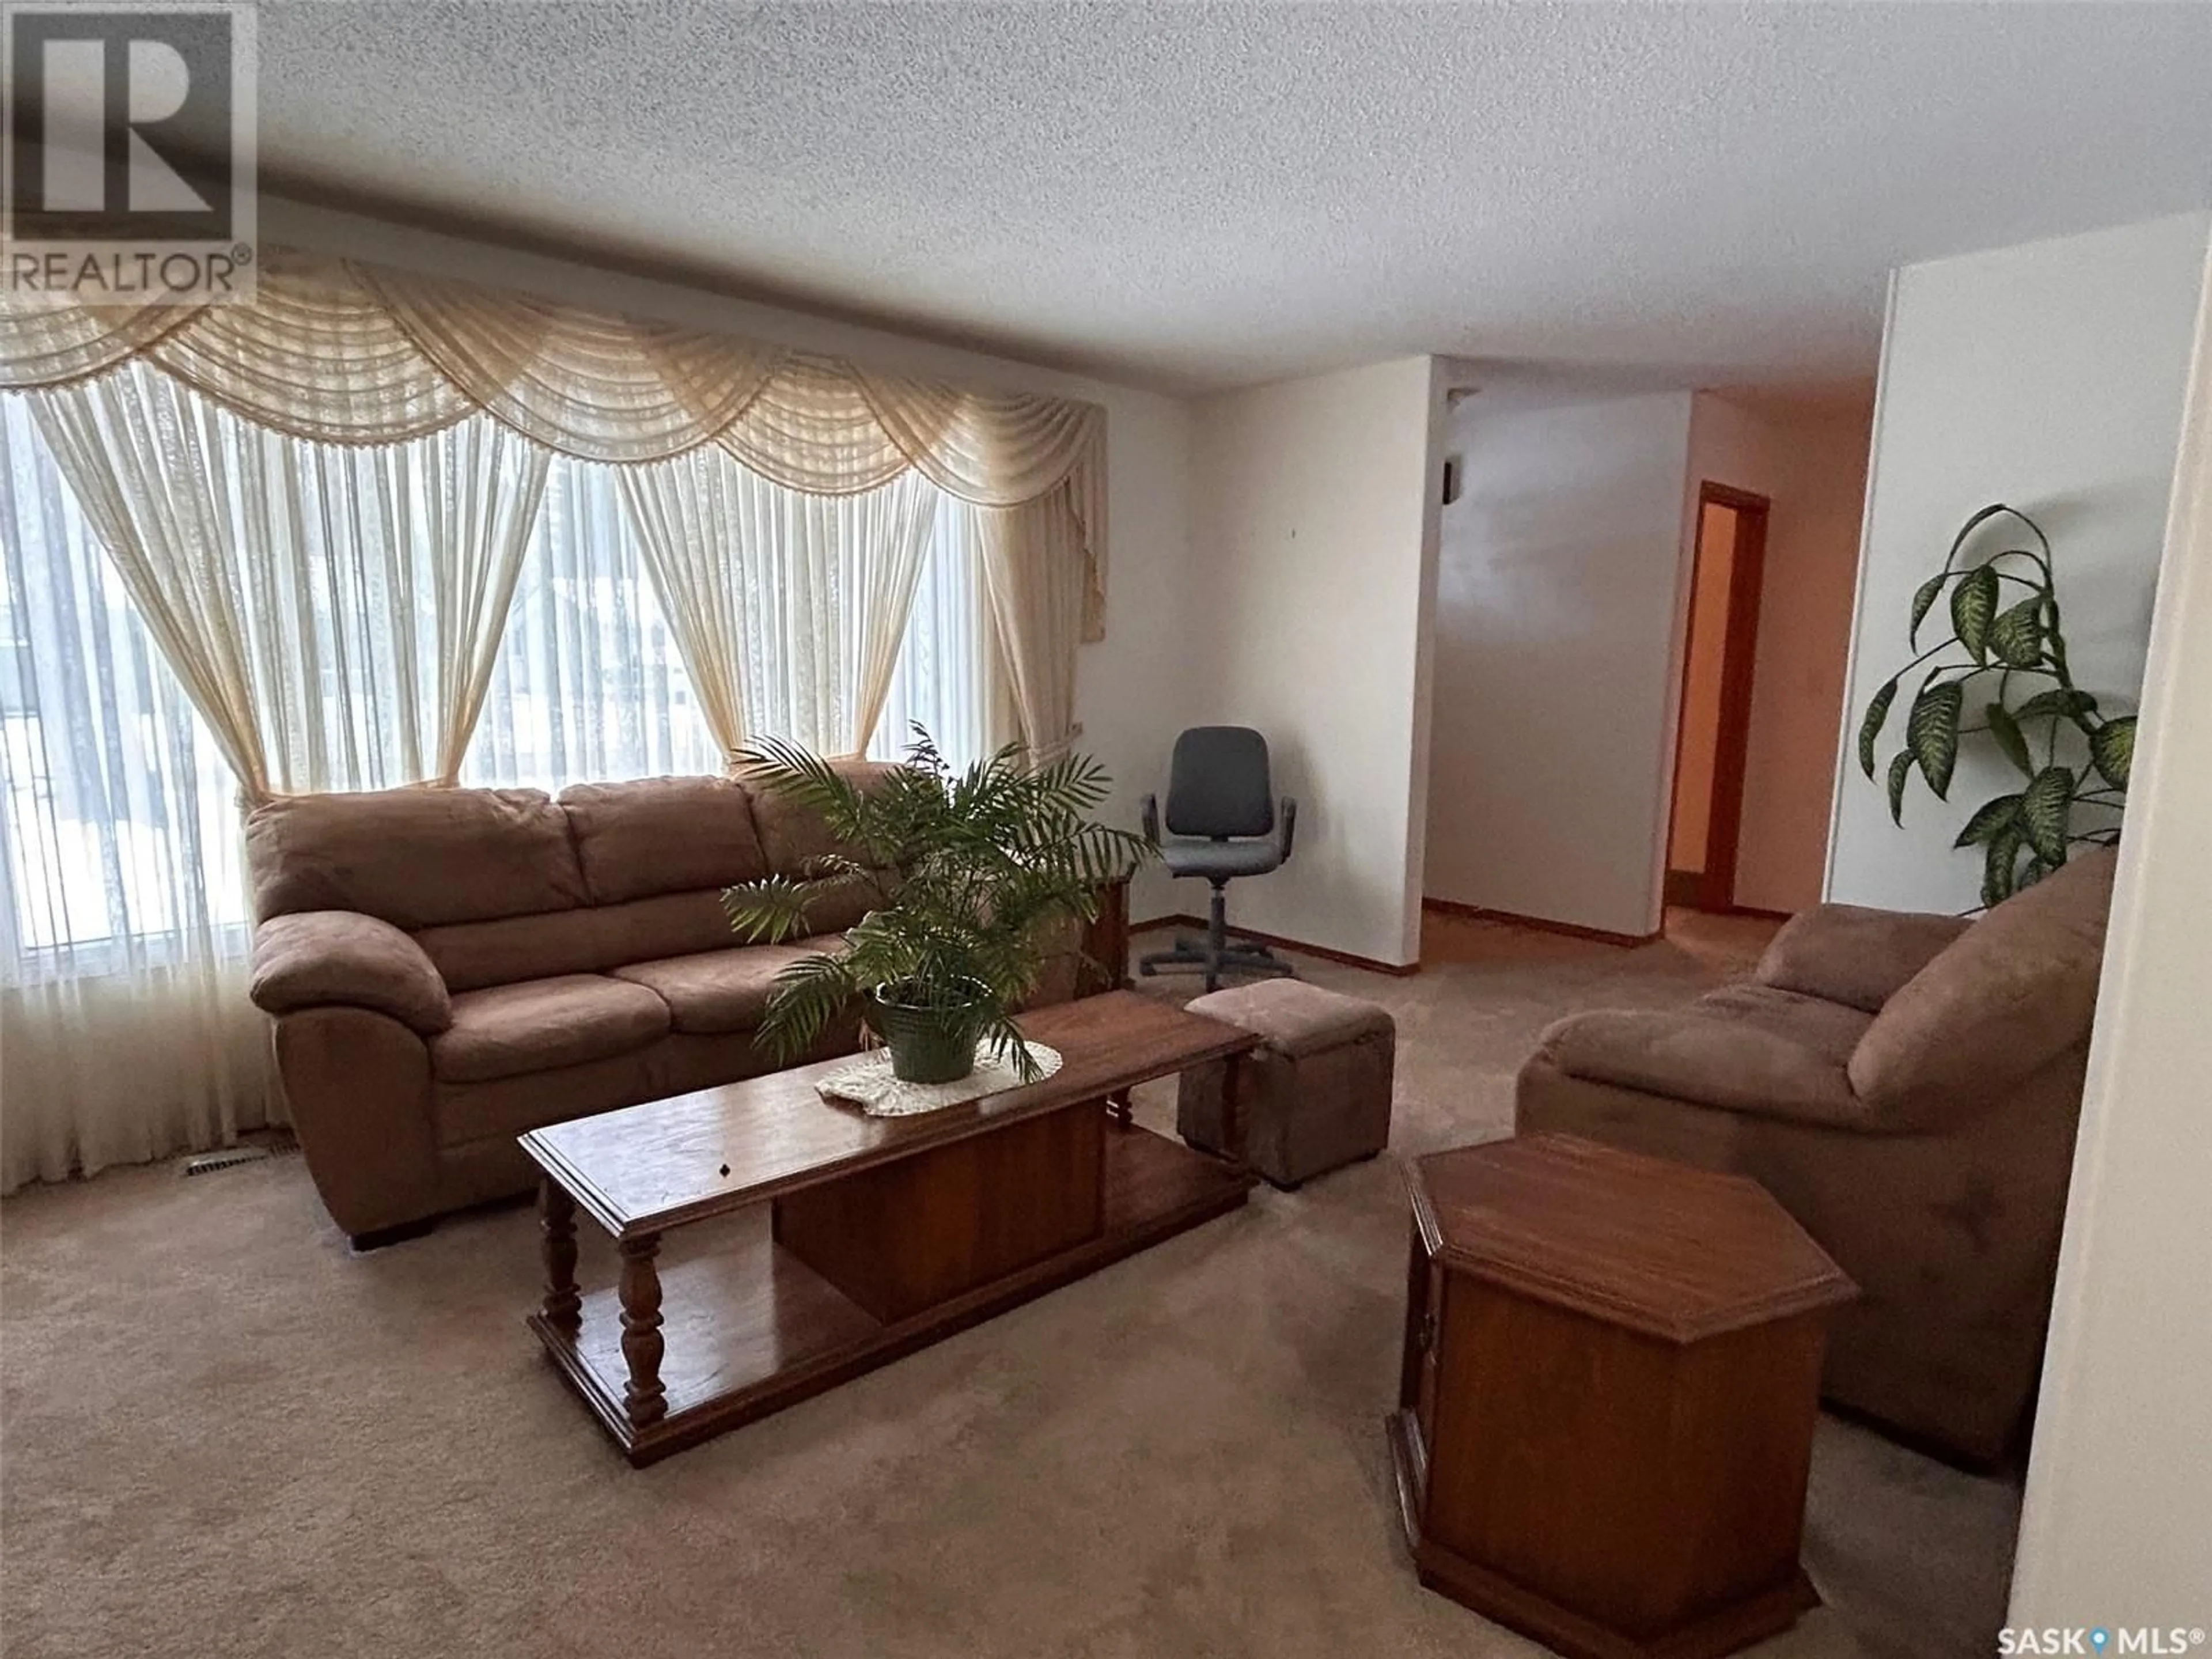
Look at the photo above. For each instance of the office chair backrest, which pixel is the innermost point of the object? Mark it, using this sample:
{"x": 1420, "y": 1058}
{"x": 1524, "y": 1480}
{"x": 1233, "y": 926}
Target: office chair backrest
{"x": 1218, "y": 783}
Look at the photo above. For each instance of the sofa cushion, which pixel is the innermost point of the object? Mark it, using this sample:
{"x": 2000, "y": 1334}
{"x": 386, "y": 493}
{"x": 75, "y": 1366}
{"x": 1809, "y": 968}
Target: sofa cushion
{"x": 315, "y": 958}
{"x": 1738, "y": 1065}
{"x": 541, "y": 1024}
{"x": 589, "y": 940}
{"x": 417, "y": 857}
{"x": 1830, "y": 1030}
{"x": 2015, "y": 990}
{"x": 1848, "y": 954}
{"x": 713, "y": 992}
{"x": 465, "y": 1114}
{"x": 794, "y": 836}
{"x": 662, "y": 835}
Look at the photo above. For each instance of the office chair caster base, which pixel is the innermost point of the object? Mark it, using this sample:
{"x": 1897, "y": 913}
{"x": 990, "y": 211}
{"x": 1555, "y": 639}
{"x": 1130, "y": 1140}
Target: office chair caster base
{"x": 1231, "y": 955}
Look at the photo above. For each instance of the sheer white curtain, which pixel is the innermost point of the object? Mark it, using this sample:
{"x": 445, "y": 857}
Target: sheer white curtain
{"x": 330, "y": 614}
{"x": 333, "y": 613}
{"x": 949, "y": 678}
{"x": 590, "y": 684}
{"x": 1033, "y": 573}
{"x": 124, "y": 1030}
{"x": 791, "y": 609}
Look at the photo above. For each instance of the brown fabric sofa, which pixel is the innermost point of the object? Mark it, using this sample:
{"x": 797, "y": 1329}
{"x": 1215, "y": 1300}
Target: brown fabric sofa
{"x": 448, "y": 968}
{"x": 1907, "y": 1086}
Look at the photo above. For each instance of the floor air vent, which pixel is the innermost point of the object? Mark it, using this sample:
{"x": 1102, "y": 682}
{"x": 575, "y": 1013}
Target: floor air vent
{"x": 229, "y": 1157}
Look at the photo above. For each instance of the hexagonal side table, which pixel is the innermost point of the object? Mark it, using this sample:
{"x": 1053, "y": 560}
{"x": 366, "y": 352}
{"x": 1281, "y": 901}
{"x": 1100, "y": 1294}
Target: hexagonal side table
{"x": 1612, "y": 1372}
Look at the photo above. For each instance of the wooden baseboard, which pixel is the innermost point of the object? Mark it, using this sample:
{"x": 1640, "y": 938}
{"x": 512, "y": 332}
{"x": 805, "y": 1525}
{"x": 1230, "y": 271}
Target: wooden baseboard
{"x": 1276, "y": 941}
{"x": 1476, "y": 913}
{"x": 1753, "y": 911}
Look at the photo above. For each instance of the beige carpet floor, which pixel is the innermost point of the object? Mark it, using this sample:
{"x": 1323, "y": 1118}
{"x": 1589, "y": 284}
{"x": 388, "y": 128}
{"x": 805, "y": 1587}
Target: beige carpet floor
{"x": 221, "y": 1434}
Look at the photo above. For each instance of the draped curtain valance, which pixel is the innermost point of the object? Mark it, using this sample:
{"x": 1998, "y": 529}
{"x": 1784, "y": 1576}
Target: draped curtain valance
{"x": 337, "y": 352}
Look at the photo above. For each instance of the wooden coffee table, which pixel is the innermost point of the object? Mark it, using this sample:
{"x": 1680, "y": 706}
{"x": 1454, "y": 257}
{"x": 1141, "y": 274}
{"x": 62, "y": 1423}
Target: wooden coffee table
{"x": 886, "y": 1234}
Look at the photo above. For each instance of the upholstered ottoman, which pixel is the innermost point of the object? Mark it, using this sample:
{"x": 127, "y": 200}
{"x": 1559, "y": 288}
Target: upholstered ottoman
{"x": 1317, "y": 1091}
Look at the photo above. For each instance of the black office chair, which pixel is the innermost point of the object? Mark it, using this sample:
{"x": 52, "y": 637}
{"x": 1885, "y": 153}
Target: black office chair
{"x": 1222, "y": 823}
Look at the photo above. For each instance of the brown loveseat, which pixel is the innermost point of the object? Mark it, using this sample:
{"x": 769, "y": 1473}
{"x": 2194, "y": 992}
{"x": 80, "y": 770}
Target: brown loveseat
{"x": 448, "y": 968}
{"x": 1907, "y": 1086}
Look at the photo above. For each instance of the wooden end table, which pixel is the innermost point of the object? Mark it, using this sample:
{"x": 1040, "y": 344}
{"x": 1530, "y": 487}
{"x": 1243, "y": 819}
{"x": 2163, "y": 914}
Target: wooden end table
{"x": 886, "y": 1234}
{"x": 1612, "y": 1372}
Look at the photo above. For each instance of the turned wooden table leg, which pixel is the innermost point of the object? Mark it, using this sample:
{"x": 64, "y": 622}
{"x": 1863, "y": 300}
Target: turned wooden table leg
{"x": 643, "y": 1398}
{"x": 557, "y": 1213}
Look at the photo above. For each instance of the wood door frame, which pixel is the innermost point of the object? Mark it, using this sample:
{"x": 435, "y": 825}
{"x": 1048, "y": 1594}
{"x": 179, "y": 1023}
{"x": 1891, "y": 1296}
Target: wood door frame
{"x": 1716, "y": 887}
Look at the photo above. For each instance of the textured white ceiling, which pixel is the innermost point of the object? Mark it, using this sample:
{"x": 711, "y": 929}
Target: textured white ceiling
{"x": 1199, "y": 195}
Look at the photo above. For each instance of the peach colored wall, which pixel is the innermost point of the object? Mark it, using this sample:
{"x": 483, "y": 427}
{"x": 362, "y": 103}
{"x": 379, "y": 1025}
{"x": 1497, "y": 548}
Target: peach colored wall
{"x": 1807, "y": 453}
{"x": 1701, "y": 690}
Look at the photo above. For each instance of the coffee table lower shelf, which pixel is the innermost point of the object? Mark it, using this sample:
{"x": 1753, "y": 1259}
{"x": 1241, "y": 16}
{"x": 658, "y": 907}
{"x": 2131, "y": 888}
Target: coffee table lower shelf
{"x": 751, "y": 1330}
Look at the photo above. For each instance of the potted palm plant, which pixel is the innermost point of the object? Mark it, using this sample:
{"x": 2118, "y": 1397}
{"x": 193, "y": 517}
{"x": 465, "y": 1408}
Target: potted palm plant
{"x": 967, "y": 870}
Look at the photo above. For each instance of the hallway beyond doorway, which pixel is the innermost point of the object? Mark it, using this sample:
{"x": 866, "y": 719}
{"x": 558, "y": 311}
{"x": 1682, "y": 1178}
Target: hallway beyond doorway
{"x": 1713, "y": 732}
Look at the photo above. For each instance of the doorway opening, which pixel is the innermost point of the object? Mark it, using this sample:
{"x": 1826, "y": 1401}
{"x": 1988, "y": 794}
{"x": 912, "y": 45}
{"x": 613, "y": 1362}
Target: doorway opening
{"x": 1713, "y": 735}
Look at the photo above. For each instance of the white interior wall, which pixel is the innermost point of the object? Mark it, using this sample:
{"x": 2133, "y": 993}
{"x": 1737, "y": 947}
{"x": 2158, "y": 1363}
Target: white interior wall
{"x": 2048, "y": 376}
{"x": 1805, "y": 450}
{"x": 1315, "y": 515}
{"x": 1559, "y": 579}
{"x": 1128, "y": 685}
{"x": 2117, "y": 1527}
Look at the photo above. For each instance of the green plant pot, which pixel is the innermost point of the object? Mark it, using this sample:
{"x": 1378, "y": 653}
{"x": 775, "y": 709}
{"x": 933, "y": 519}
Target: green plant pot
{"x": 929, "y": 1044}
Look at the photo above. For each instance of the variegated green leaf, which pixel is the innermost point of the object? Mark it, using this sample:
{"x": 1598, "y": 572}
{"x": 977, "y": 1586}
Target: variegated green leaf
{"x": 2009, "y": 737}
{"x": 1923, "y": 601}
{"x": 1990, "y": 818}
{"x": 1973, "y": 608}
{"x": 1900, "y": 768}
{"x": 1932, "y": 732}
{"x": 1982, "y": 515}
{"x": 1870, "y": 727}
{"x": 1999, "y": 866}
{"x": 2044, "y": 806}
{"x": 2016, "y": 635}
{"x": 2063, "y": 700}
{"x": 2112, "y": 749}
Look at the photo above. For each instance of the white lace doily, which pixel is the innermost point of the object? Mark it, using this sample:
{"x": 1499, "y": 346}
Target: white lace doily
{"x": 867, "y": 1083}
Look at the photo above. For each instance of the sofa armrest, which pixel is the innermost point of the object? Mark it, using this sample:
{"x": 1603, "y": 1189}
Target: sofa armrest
{"x": 318, "y": 958}
{"x": 1728, "y": 1064}
{"x": 357, "y": 1087}
{"x": 1848, "y": 954}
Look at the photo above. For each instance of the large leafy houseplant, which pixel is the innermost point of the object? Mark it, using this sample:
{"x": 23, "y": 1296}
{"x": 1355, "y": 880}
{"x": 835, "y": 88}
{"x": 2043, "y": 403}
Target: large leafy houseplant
{"x": 966, "y": 871}
{"x": 2003, "y": 670}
